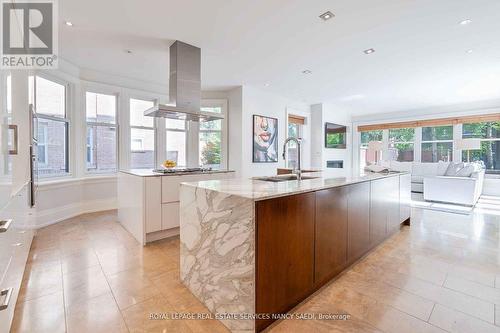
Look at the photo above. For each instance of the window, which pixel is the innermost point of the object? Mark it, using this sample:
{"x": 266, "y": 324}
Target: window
{"x": 176, "y": 141}
{"x": 294, "y": 131}
{"x": 101, "y": 132}
{"x": 401, "y": 144}
{"x": 42, "y": 150}
{"x": 437, "y": 143}
{"x": 49, "y": 99}
{"x": 489, "y": 154}
{"x": 211, "y": 136}
{"x": 365, "y": 156}
{"x": 142, "y": 135}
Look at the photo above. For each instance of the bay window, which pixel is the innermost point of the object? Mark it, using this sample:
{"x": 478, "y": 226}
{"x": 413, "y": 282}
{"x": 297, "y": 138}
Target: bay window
{"x": 142, "y": 135}
{"x": 437, "y": 143}
{"x": 489, "y": 135}
{"x": 49, "y": 100}
{"x": 401, "y": 144}
{"x": 101, "y": 148}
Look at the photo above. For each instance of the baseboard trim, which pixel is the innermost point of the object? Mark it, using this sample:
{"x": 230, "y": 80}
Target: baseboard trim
{"x": 50, "y": 216}
{"x": 154, "y": 236}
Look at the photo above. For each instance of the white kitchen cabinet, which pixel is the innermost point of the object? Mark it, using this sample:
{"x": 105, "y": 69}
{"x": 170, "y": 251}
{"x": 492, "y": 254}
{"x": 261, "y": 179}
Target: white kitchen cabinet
{"x": 170, "y": 186}
{"x": 170, "y": 215}
{"x": 152, "y": 202}
{"x": 15, "y": 242}
{"x": 148, "y": 204}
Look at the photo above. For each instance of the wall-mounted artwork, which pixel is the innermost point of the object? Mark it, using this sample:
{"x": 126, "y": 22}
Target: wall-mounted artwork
{"x": 335, "y": 136}
{"x": 265, "y": 139}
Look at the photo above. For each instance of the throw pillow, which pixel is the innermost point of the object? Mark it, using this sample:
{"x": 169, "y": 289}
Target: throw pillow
{"x": 466, "y": 171}
{"x": 453, "y": 168}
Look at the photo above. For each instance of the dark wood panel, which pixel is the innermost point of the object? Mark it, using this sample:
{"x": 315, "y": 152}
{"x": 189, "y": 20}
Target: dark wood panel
{"x": 331, "y": 234}
{"x": 358, "y": 221}
{"x": 379, "y": 210}
{"x": 285, "y": 253}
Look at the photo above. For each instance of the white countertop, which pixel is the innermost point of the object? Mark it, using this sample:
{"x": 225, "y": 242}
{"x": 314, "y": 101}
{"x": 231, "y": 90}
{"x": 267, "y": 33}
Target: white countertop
{"x": 260, "y": 190}
{"x": 151, "y": 173}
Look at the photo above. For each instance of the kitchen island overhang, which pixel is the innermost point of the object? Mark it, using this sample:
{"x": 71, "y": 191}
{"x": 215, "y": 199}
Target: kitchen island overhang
{"x": 250, "y": 248}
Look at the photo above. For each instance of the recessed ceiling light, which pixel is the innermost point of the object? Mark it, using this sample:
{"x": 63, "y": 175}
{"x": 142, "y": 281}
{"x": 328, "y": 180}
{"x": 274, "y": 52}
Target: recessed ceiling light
{"x": 266, "y": 84}
{"x": 306, "y": 71}
{"x": 465, "y": 22}
{"x": 470, "y": 51}
{"x": 68, "y": 23}
{"x": 369, "y": 51}
{"x": 326, "y": 16}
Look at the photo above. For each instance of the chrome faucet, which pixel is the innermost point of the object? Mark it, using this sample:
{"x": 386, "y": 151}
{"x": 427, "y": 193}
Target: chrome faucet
{"x": 297, "y": 171}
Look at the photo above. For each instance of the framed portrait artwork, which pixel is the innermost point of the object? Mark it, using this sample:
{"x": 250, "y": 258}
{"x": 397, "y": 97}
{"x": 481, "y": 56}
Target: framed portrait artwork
{"x": 265, "y": 139}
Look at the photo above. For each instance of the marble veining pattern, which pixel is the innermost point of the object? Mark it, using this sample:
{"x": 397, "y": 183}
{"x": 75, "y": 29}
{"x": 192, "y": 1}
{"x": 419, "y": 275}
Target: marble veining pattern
{"x": 260, "y": 190}
{"x": 217, "y": 252}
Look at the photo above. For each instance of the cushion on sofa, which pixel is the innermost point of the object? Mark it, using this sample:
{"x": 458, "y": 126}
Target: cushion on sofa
{"x": 442, "y": 167}
{"x": 401, "y": 166}
{"x": 466, "y": 171}
{"x": 453, "y": 169}
{"x": 424, "y": 169}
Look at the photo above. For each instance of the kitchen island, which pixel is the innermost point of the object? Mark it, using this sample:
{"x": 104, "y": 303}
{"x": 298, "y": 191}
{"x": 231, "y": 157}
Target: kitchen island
{"x": 253, "y": 249}
{"x": 148, "y": 201}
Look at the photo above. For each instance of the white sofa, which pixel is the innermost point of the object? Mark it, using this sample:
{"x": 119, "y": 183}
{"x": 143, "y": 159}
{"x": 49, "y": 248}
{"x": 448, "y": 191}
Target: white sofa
{"x": 430, "y": 179}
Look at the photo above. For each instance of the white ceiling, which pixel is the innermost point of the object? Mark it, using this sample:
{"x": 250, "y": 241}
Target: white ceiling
{"x": 420, "y": 59}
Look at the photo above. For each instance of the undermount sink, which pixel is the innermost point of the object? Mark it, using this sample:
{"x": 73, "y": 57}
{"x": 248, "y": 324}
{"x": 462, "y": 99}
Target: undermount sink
{"x": 277, "y": 179}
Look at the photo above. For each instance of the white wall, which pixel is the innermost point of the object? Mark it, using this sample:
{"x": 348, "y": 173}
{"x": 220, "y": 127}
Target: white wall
{"x": 234, "y": 134}
{"x": 256, "y": 101}
{"x": 59, "y": 200}
{"x": 321, "y": 114}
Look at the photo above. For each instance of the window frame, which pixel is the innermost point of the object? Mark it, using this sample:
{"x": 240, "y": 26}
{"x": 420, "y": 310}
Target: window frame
{"x": 494, "y": 172}
{"x": 292, "y": 145}
{"x": 213, "y": 103}
{"x": 389, "y": 142}
{"x": 452, "y": 141}
{"x": 66, "y": 120}
{"x": 116, "y": 125}
{"x": 155, "y": 128}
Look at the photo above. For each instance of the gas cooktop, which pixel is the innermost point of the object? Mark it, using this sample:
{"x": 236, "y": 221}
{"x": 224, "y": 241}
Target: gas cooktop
{"x": 182, "y": 170}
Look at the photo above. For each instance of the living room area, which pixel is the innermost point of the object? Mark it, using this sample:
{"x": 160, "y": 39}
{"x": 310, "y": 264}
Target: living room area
{"x": 454, "y": 159}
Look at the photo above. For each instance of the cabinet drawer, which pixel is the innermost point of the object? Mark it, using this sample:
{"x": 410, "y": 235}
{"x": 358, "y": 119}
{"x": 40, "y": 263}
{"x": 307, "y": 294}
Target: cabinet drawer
{"x": 14, "y": 247}
{"x": 169, "y": 215}
{"x": 7, "y": 238}
{"x": 152, "y": 209}
{"x": 170, "y": 186}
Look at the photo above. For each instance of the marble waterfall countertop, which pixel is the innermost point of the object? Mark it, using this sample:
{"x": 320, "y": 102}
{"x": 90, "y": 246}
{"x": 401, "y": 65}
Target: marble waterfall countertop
{"x": 151, "y": 173}
{"x": 260, "y": 190}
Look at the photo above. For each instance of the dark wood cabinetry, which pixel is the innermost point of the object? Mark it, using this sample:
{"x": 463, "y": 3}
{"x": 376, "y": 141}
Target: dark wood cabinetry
{"x": 285, "y": 253}
{"x": 378, "y": 211}
{"x": 358, "y": 242}
{"x": 331, "y": 234}
{"x": 305, "y": 240}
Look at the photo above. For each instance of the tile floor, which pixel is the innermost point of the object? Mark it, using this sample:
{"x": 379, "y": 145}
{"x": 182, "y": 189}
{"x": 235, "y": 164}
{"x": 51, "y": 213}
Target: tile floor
{"x": 442, "y": 274}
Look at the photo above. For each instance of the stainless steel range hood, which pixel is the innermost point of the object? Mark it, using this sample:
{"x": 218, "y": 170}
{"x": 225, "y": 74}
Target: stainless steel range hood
{"x": 184, "y": 86}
